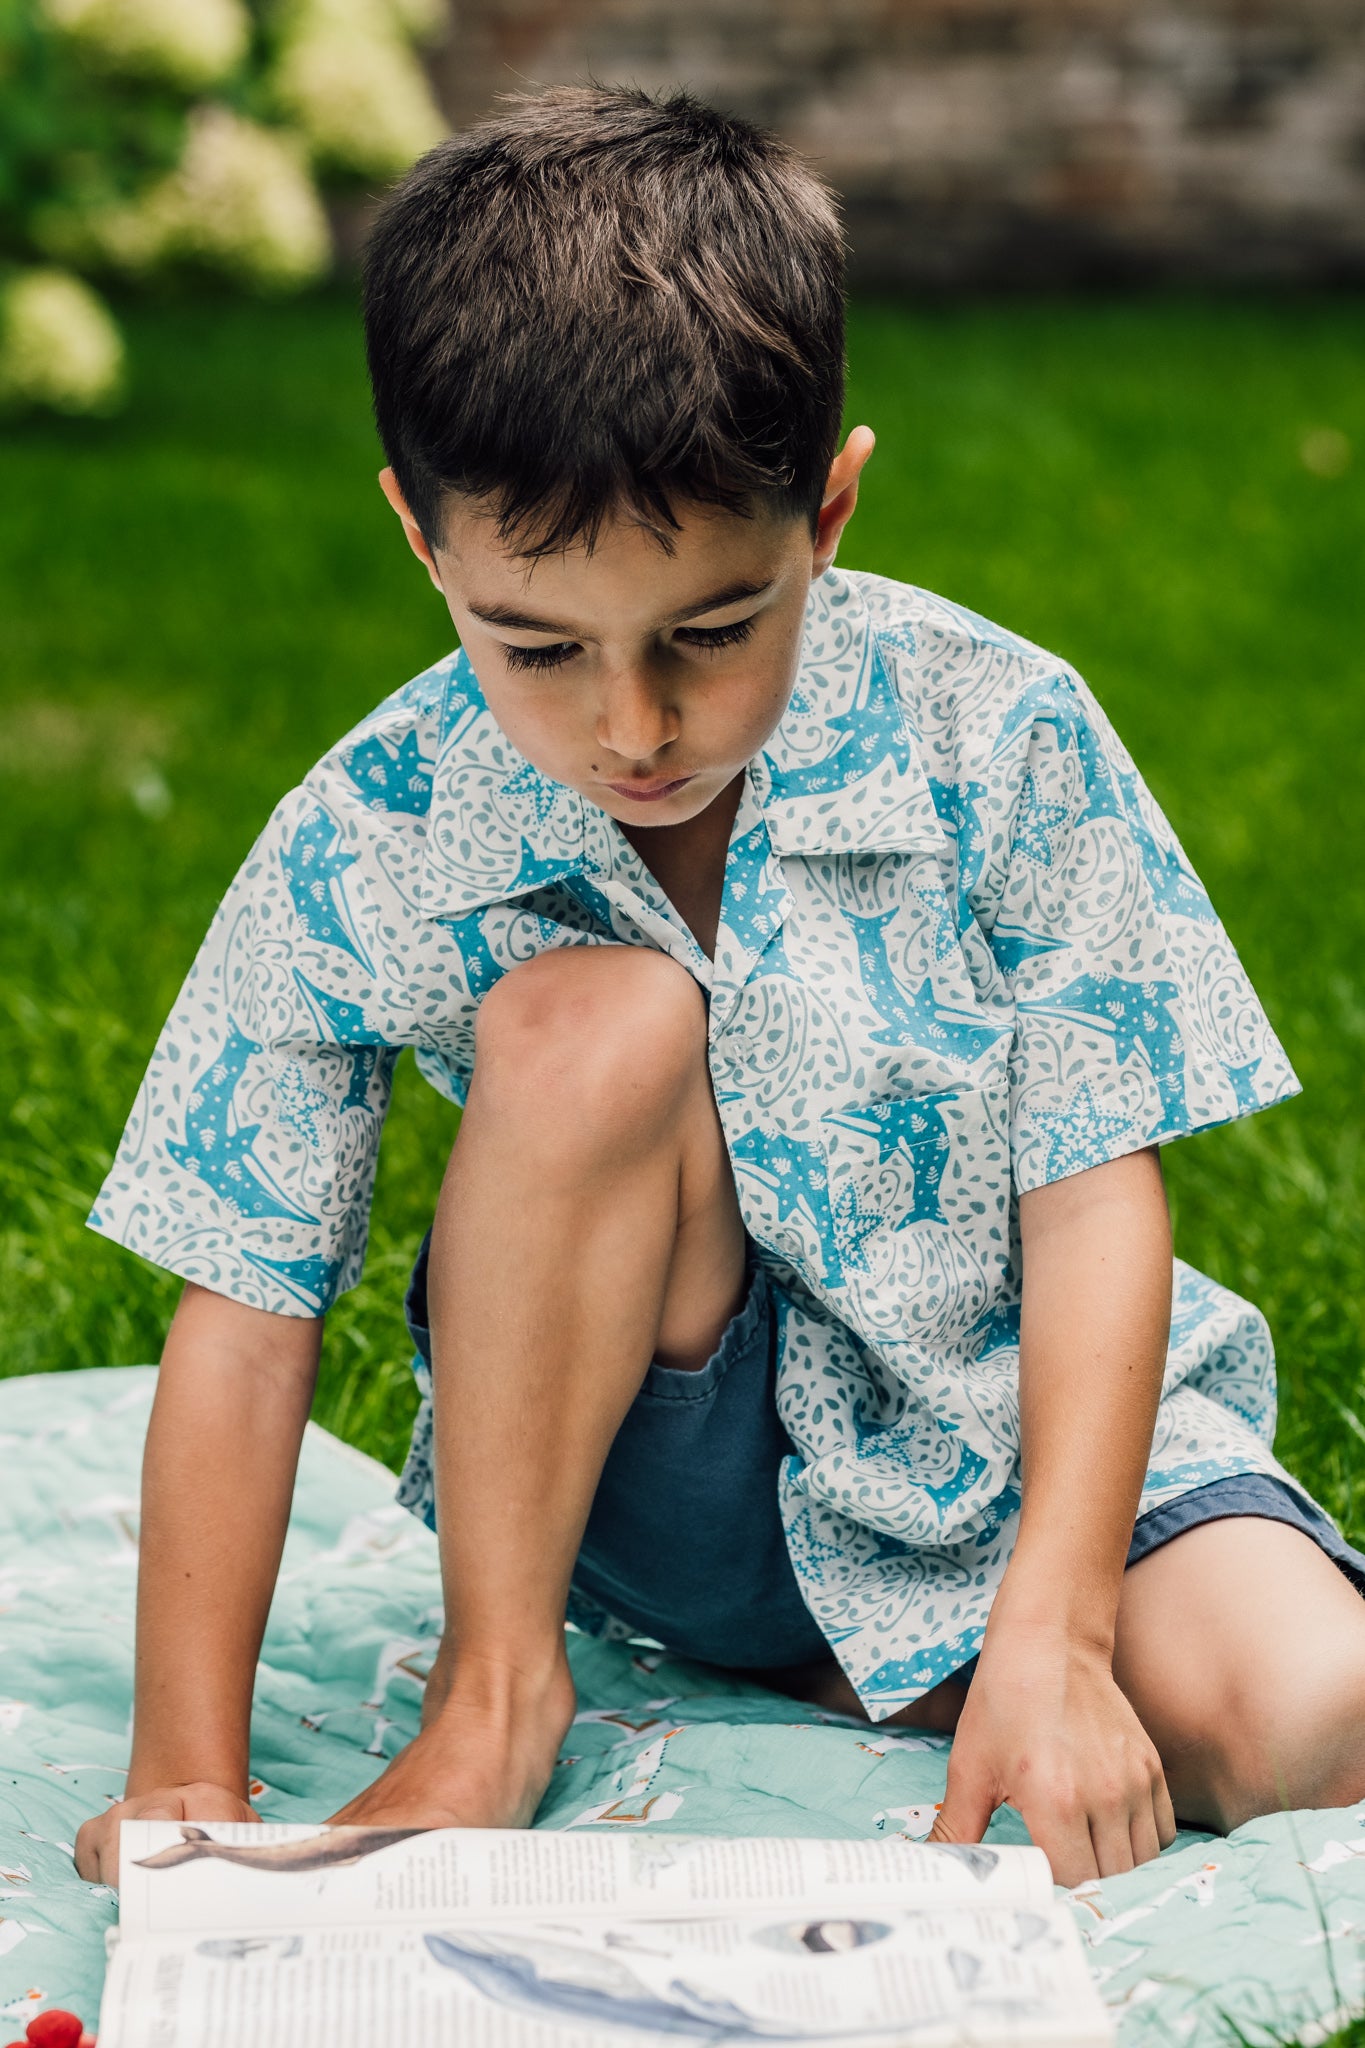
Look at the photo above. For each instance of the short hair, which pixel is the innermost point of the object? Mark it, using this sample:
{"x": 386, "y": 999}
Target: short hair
{"x": 599, "y": 303}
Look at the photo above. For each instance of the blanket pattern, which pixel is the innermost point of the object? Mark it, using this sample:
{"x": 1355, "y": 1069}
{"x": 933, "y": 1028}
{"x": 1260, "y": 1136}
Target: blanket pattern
{"x": 1264, "y": 1930}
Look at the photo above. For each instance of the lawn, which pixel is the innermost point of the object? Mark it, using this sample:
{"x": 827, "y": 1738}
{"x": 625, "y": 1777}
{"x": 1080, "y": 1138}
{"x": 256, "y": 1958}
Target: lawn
{"x": 197, "y": 597}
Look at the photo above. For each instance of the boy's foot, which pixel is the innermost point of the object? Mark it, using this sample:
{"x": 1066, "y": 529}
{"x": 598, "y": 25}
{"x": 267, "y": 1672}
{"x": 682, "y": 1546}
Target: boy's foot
{"x": 484, "y": 1755}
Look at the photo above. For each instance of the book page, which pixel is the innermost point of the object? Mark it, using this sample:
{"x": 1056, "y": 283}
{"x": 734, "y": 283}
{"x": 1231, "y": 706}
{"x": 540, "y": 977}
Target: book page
{"x": 934, "y": 1980}
{"x": 240, "y": 1878}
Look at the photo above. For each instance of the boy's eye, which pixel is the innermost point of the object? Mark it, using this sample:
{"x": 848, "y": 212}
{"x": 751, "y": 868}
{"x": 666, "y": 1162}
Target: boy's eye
{"x": 539, "y": 657}
{"x": 706, "y": 637}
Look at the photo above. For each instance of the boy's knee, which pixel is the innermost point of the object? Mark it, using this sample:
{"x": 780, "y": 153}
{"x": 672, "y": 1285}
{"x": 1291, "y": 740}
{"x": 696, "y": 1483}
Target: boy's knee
{"x": 1295, "y": 1741}
{"x": 613, "y": 1028}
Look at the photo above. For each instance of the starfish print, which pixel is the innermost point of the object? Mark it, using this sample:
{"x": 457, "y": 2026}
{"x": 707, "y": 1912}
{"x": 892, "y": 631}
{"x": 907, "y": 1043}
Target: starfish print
{"x": 1080, "y": 1135}
{"x": 539, "y": 792}
{"x": 855, "y": 1225}
{"x": 945, "y": 931}
{"x": 1036, "y": 824}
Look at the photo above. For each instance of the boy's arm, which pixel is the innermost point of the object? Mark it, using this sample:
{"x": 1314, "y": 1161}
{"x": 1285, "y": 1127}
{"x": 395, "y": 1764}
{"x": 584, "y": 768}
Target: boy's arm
{"x": 1045, "y": 1727}
{"x": 217, "y": 1479}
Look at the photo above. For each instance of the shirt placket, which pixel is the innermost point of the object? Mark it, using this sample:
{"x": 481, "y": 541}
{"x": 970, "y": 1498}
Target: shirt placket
{"x": 618, "y": 873}
{"x": 755, "y": 902}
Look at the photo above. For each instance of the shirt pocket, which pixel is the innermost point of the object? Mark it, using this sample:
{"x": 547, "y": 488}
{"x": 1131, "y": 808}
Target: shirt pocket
{"x": 918, "y": 1202}
{"x": 916, "y": 1146}
{"x": 922, "y": 1008}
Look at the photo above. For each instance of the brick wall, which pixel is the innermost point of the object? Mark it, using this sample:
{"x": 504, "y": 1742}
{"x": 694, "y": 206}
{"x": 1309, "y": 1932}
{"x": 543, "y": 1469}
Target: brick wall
{"x": 996, "y": 140}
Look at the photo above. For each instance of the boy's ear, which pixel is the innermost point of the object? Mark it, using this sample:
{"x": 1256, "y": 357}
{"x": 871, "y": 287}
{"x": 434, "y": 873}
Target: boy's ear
{"x": 841, "y": 495}
{"x": 389, "y": 485}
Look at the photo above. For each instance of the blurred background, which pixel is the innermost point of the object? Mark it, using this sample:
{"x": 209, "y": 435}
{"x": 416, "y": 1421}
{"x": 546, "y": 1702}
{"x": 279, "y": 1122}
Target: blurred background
{"x": 1107, "y": 320}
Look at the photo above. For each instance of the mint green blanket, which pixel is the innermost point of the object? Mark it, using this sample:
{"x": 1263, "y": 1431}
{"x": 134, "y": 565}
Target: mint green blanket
{"x": 1266, "y": 1929}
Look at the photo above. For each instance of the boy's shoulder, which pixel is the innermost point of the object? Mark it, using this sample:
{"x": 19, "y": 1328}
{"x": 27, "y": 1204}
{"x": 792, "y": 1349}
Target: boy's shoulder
{"x": 384, "y": 764}
{"x": 937, "y": 630}
{"x": 961, "y": 678}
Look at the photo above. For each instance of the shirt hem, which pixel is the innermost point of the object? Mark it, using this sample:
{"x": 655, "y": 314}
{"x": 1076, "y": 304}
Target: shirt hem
{"x": 1123, "y": 1147}
{"x": 222, "y": 1273}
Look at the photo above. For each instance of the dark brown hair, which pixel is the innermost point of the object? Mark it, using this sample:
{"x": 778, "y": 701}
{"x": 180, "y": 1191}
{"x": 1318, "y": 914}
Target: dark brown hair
{"x": 602, "y": 302}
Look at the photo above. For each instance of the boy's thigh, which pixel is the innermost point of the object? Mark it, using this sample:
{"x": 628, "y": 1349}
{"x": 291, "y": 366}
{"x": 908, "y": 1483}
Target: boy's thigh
{"x": 707, "y": 1272}
{"x": 1242, "y": 1648}
{"x": 608, "y": 1043}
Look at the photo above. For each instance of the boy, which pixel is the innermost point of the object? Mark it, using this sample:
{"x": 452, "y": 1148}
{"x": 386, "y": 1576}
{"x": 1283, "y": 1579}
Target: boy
{"x": 819, "y": 979}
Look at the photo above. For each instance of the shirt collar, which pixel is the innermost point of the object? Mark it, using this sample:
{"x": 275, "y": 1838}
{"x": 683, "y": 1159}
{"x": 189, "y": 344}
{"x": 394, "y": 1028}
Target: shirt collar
{"x": 840, "y": 774}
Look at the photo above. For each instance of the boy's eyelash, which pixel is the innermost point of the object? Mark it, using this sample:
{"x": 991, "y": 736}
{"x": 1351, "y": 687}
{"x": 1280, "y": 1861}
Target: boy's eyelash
{"x": 701, "y": 637}
{"x": 537, "y": 657}
{"x": 717, "y": 635}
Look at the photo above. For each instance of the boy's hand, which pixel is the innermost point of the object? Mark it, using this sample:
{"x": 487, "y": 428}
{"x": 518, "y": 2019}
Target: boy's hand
{"x": 97, "y": 1842}
{"x": 1046, "y": 1729}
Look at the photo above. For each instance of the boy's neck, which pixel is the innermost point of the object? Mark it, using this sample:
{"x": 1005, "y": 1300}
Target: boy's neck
{"x": 688, "y": 861}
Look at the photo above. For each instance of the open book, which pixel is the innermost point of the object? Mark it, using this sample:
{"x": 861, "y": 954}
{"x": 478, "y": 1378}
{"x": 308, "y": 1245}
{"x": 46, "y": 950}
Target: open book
{"x": 304, "y": 1937}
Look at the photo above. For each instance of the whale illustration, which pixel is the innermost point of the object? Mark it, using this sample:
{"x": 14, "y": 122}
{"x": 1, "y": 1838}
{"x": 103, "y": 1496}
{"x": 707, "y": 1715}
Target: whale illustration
{"x": 333, "y": 1846}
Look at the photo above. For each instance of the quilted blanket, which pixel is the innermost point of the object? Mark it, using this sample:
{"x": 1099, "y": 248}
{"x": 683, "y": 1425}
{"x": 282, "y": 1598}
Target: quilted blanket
{"x": 1262, "y": 1932}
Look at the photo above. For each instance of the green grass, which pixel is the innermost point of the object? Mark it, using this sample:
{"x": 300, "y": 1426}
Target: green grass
{"x": 196, "y": 598}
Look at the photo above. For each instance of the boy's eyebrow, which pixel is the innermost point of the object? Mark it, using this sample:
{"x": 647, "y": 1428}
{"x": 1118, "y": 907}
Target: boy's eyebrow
{"x": 525, "y": 622}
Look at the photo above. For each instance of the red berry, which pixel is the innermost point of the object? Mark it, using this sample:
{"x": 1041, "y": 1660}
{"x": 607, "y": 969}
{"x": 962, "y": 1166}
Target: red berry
{"x": 55, "y": 2029}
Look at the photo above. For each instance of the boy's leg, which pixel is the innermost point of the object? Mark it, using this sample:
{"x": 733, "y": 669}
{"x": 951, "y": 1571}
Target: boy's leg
{"x": 1242, "y": 1648}
{"x": 588, "y": 1222}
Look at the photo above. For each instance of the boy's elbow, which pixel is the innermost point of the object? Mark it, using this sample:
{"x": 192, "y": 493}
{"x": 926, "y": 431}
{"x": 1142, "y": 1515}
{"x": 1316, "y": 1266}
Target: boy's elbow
{"x": 214, "y": 1328}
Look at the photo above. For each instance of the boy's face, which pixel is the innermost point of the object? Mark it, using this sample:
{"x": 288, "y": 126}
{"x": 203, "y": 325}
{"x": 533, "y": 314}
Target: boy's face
{"x": 643, "y": 680}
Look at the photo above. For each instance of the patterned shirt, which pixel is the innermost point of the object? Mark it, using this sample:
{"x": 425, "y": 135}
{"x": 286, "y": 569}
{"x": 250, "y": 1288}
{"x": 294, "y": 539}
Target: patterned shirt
{"x": 960, "y": 955}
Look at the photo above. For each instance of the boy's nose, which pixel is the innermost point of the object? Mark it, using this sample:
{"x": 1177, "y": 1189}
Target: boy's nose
{"x": 634, "y": 721}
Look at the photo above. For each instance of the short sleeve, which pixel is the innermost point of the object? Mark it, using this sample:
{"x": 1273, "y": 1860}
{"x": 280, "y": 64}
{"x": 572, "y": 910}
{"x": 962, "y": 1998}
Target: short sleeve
{"x": 1134, "y": 1019}
{"x": 248, "y": 1162}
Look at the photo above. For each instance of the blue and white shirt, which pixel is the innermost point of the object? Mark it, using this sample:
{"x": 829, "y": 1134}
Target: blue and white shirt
{"x": 961, "y": 954}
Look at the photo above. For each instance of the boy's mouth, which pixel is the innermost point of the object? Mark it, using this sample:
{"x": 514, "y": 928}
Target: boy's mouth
{"x": 648, "y": 792}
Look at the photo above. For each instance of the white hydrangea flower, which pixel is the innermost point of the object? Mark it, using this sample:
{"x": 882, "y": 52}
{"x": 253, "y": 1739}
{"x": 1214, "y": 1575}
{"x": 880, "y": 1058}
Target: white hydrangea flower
{"x": 412, "y": 20}
{"x": 242, "y": 200}
{"x": 58, "y": 345}
{"x": 188, "y": 43}
{"x": 426, "y": 21}
{"x": 355, "y": 89}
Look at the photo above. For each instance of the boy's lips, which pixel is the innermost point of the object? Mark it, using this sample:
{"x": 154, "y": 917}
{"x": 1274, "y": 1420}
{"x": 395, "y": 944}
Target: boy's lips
{"x": 648, "y": 792}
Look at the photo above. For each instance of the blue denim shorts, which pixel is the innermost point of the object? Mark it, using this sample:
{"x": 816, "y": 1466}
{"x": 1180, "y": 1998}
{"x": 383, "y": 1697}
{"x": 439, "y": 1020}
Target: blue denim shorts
{"x": 685, "y": 1541}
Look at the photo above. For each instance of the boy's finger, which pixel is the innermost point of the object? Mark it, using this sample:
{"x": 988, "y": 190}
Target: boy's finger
{"x": 965, "y": 1813}
{"x": 87, "y": 1856}
{"x": 1166, "y": 1827}
{"x": 1144, "y": 1835}
{"x": 1067, "y": 1846}
{"x": 1112, "y": 1843}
